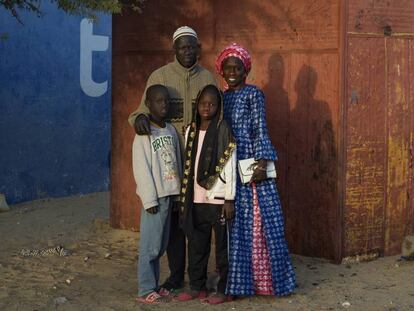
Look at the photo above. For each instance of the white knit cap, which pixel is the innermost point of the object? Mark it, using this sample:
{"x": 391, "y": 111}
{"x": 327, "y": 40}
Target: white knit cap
{"x": 184, "y": 31}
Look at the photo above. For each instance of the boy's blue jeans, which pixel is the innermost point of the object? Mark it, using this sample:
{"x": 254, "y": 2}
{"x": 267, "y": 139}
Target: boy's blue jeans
{"x": 154, "y": 235}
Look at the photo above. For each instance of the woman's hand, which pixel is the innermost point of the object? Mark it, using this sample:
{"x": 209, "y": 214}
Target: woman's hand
{"x": 228, "y": 209}
{"x": 259, "y": 173}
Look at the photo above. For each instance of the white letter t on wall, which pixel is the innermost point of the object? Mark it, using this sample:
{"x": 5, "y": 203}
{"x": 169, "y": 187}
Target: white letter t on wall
{"x": 89, "y": 43}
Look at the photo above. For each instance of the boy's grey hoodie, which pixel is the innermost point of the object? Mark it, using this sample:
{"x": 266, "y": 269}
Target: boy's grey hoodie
{"x": 156, "y": 163}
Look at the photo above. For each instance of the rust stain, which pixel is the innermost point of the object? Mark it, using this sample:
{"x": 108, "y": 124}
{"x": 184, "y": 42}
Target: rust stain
{"x": 381, "y": 16}
{"x": 400, "y": 133}
{"x": 364, "y": 196}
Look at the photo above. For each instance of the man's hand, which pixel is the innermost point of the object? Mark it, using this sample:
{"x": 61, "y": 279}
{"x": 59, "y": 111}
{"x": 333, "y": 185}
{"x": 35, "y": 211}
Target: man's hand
{"x": 152, "y": 210}
{"x": 142, "y": 125}
{"x": 228, "y": 210}
{"x": 259, "y": 173}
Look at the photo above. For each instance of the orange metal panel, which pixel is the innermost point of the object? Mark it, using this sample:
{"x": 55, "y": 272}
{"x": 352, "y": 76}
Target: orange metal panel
{"x": 400, "y": 104}
{"x": 295, "y": 47}
{"x": 291, "y": 43}
{"x": 278, "y": 25}
{"x": 129, "y": 75}
{"x": 151, "y": 32}
{"x": 312, "y": 154}
{"x": 274, "y": 80}
{"x": 378, "y": 209}
{"x": 366, "y": 150}
{"x": 368, "y": 16}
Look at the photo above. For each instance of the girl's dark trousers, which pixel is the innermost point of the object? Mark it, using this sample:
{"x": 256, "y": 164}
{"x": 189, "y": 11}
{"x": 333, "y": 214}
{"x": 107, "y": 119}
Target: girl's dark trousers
{"x": 176, "y": 254}
{"x": 206, "y": 217}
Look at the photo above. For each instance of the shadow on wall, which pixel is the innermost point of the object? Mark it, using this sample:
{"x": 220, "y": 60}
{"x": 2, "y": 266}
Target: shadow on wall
{"x": 277, "y": 115}
{"x": 312, "y": 171}
{"x": 307, "y": 165}
{"x": 319, "y": 125}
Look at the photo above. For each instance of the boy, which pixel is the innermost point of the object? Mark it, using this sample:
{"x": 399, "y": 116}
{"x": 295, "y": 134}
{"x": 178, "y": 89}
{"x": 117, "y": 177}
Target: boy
{"x": 157, "y": 168}
{"x": 184, "y": 78}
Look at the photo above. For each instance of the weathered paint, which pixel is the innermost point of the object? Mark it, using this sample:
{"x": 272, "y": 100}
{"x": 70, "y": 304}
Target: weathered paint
{"x": 125, "y": 205}
{"x": 379, "y": 121}
{"x": 142, "y": 43}
{"x": 54, "y": 130}
{"x": 278, "y": 25}
{"x": 365, "y": 142}
{"x": 295, "y": 49}
{"x": 375, "y": 16}
{"x": 400, "y": 112}
{"x": 311, "y": 215}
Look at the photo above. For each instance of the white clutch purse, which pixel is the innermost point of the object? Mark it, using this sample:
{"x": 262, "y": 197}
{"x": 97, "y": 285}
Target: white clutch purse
{"x": 247, "y": 166}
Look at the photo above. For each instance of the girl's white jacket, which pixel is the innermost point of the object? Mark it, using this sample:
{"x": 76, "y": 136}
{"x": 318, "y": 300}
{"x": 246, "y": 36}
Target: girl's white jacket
{"x": 225, "y": 186}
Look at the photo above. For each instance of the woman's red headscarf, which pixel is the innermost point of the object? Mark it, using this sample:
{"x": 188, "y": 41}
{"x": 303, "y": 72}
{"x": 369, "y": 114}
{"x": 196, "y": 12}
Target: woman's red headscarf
{"x": 235, "y": 50}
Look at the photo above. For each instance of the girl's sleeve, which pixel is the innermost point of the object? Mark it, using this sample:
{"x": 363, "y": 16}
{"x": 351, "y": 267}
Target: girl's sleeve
{"x": 262, "y": 146}
{"x": 142, "y": 169}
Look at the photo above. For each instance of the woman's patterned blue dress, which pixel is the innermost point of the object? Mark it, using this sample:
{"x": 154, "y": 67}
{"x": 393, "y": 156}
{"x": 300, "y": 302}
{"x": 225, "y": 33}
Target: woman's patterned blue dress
{"x": 244, "y": 110}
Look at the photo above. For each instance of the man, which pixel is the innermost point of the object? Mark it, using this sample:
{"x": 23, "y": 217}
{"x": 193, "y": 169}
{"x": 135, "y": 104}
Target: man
{"x": 184, "y": 78}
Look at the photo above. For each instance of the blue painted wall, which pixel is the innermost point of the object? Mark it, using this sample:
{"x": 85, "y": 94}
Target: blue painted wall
{"x": 54, "y": 132}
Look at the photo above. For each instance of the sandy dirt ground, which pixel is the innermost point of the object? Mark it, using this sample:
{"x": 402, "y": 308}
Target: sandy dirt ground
{"x": 101, "y": 272}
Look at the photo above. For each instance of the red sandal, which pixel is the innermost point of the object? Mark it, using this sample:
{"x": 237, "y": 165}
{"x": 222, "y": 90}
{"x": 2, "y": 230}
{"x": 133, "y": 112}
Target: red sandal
{"x": 218, "y": 298}
{"x": 152, "y": 298}
{"x": 191, "y": 294}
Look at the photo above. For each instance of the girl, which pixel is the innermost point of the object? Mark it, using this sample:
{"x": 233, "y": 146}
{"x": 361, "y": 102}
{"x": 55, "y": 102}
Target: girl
{"x": 207, "y": 193}
{"x": 259, "y": 261}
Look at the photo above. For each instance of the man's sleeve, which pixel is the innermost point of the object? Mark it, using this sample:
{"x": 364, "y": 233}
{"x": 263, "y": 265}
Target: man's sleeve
{"x": 154, "y": 78}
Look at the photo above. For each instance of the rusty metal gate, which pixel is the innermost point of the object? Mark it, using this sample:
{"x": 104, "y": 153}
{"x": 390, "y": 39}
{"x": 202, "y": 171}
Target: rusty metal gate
{"x": 379, "y": 123}
{"x": 337, "y": 78}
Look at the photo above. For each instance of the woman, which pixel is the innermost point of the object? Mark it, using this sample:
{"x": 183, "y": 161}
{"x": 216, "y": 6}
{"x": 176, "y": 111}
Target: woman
{"x": 259, "y": 261}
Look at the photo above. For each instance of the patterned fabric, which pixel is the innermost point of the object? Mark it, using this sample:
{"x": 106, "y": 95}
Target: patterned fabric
{"x": 245, "y": 113}
{"x": 262, "y": 274}
{"x": 235, "y": 50}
